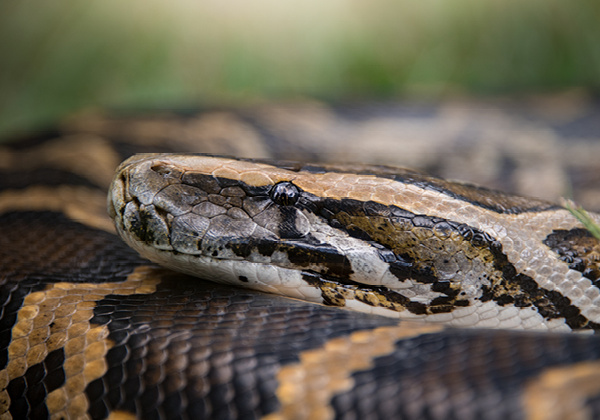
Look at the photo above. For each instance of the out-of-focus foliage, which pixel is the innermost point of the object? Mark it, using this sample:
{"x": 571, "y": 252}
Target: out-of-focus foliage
{"x": 63, "y": 55}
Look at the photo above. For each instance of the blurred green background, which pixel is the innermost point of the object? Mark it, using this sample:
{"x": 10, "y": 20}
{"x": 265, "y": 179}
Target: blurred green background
{"x": 57, "y": 57}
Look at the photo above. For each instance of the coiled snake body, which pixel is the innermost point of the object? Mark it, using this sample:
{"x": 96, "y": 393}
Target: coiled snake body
{"x": 91, "y": 329}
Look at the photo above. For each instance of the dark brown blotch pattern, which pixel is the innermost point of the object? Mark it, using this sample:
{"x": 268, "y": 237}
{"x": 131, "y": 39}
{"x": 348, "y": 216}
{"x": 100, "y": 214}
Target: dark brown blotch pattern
{"x": 578, "y": 248}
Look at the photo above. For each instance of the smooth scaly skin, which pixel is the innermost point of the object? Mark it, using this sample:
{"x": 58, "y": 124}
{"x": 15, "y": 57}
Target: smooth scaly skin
{"x": 383, "y": 240}
{"x": 90, "y": 329}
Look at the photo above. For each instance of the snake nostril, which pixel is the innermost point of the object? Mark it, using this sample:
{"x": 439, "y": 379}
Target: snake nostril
{"x": 167, "y": 171}
{"x": 162, "y": 169}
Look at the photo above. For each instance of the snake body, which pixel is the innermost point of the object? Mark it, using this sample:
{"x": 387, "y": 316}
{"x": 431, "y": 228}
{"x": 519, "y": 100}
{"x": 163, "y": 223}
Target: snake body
{"x": 91, "y": 329}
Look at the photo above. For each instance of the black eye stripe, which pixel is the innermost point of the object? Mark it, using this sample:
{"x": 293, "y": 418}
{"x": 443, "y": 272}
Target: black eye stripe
{"x": 285, "y": 193}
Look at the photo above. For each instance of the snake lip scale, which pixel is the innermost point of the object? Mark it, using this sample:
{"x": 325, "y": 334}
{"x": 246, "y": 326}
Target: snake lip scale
{"x": 383, "y": 240}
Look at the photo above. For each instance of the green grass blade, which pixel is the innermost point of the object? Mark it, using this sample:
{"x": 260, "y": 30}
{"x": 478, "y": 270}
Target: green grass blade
{"x": 583, "y": 217}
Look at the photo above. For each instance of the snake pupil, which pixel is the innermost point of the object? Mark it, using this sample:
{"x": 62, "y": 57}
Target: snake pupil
{"x": 285, "y": 193}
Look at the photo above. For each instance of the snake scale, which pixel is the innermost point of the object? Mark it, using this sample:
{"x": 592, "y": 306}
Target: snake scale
{"x": 467, "y": 302}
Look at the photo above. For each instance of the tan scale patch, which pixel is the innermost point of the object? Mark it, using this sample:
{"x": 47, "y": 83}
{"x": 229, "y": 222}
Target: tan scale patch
{"x": 59, "y": 317}
{"x": 306, "y": 388}
{"x": 561, "y": 393}
{"x": 80, "y": 204}
{"x": 121, "y": 415}
{"x": 337, "y": 294}
{"x": 224, "y": 132}
{"x": 217, "y": 132}
{"x": 255, "y": 178}
{"x": 89, "y": 156}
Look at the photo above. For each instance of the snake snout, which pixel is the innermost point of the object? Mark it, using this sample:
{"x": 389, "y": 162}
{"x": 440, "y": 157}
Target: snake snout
{"x": 163, "y": 204}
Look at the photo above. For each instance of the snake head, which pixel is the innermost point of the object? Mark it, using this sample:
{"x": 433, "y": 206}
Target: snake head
{"x": 226, "y": 220}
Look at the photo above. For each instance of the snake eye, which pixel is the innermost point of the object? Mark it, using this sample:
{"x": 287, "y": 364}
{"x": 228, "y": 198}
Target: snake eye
{"x": 285, "y": 193}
